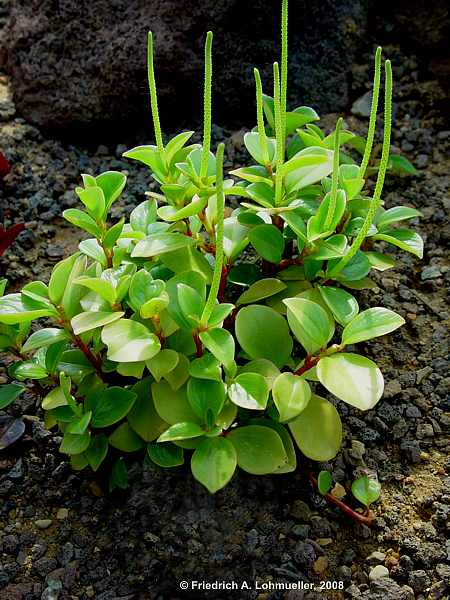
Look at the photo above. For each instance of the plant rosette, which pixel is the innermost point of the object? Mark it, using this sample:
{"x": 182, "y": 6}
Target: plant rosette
{"x": 161, "y": 337}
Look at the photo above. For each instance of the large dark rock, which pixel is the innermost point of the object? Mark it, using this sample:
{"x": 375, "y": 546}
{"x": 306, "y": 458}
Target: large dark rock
{"x": 79, "y": 62}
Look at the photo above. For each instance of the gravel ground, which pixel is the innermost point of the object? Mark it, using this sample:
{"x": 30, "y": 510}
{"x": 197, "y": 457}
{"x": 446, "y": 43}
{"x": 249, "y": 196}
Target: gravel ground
{"x": 62, "y": 536}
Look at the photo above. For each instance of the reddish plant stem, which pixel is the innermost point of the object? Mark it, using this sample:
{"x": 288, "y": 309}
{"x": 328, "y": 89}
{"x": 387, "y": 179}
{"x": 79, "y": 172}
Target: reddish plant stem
{"x": 198, "y": 344}
{"x": 366, "y": 520}
{"x": 94, "y": 360}
{"x": 310, "y": 362}
{"x": 223, "y": 283}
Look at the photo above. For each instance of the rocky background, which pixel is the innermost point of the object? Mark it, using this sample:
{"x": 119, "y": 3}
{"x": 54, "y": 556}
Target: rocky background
{"x": 62, "y": 537}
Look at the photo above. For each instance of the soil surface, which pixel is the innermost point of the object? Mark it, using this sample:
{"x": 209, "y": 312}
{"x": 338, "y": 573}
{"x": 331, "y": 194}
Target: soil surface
{"x": 62, "y": 536}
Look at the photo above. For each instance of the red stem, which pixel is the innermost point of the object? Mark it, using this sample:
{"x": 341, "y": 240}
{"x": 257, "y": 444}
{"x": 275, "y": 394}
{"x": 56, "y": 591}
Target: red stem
{"x": 94, "y": 360}
{"x": 223, "y": 283}
{"x": 344, "y": 507}
{"x": 310, "y": 362}
{"x": 198, "y": 344}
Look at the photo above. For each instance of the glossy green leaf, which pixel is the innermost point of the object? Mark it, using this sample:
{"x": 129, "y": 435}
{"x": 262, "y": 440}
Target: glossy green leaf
{"x": 291, "y": 395}
{"x": 79, "y": 426}
{"x": 119, "y": 475}
{"x": 268, "y": 242}
{"x": 112, "y": 405}
{"x": 143, "y": 417}
{"x": 263, "y": 333}
{"x": 398, "y": 213}
{"x": 172, "y": 405}
{"x": 130, "y": 341}
{"x": 97, "y": 451}
{"x": 159, "y": 243}
{"x": 249, "y": 390}
{"x": 260, "y": 290}
{"x": 213, "y": 463}
{"x": 163, "y": 363}
{"x": 181, "y": 431}
{"x": 342, "y": 304}
{"x": 75, "y": 444}
{"x": 86, "y": 321}
{"x": 206, "y": 367}
{"x": 9, "y": 393}
{"x": 83, "y": 221}
{"x": 318, "y": 430}
{"x": 44, "y": 337}
{"x": 93, "y": 249}
{"x": 93, "y": 199}
{"x": 124, "y": 438}
{"x": 143, "y": 215}
{"x": 371, "y": 323}
{"x": 205, "y": 395}
{"x": 352, "y": 378}
{"x": 252, "y": 143}
{"x": 324, "y": 482}
{"x": 166, "y": 455}
{"x": 310, "y": 323}
{"x": 259, "y": 449}
{"x": 403, "y": 238}
{"x": 13, "y": 311}
{"x": 220, "y": 343}
{"x": 380, "y": 262}
{"x": 301, "y": 175}
{"x": 366, "y": 489}
{"x": 59, "y": 278}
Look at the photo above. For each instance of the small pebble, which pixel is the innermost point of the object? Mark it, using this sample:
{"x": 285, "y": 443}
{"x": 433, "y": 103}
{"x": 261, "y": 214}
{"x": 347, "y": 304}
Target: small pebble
{"x": 43, "y": 523}
{"x": 376, "y": 557}
{"x": 62, "y": 514}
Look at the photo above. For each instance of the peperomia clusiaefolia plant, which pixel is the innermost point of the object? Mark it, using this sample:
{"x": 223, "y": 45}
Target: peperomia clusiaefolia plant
{"x": 198, "y": 329}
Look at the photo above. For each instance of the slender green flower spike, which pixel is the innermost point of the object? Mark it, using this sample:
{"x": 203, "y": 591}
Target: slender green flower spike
{"x": 278, "y": 134}
{"x": 335, "y": 176}
{"x": 260, "y": 117}
{"x": 373, "y": 114}
{"x": 374, "y": 205}
{"x": 214, "y": 289}
{"x": 284, "y": 64}
{"x": 207, "y": 105}
{"x": 153, "y": 95}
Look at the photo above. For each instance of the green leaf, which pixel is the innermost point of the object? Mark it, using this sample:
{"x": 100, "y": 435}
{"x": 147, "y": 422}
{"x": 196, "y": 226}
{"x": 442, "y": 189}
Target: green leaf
{"x": 249, "y": 390}
{"x": 190, "y": 303}
{"x": 264, "y": 367}
{"x": 113, "y": 405}
{"x": 9, "y": 393}
{"x": 259, "y": 449}
{"x": 28, "y": 370}
{"x": 172, "y": 405}
{"x": 206, "y": 367}
{"x": 165, "y": 455}
{"x": 334, "y": 247}
{"x": 75, "y": 444}
{"x": 398, "y": 213}
{"x": 112, "y": 184}
{"x": 403, "y": 238}
{"x": 104, "y": 288}
{"x": 291, "y": 395}
{"x": 119, "y": 475}
{"x": 310, "y": 323}
{"x": 260, "y": 290}
{"x": 244, "y": 274}
{"x": 301, "y": 175}
{"x": 181, "y": 431}
{"x": 235, "y": 237}
{"x": 371, "y": 323}
{"x": 251, "y": 141}
{"x": 59, "y": 278}
{"x": 316, "y": 227}
{"x": 205, "y": 395}
{"x": 83, "y": 221}
{"x": 324, "y": 482}
{"x": 268, "y": 242}
{"x": 86, "y": 321}
{"x": 44, "y": 337}
{"x": 291, "y": 464}
{"x": 318, "y": 430}
{"x": 219, "y": 313}
{"x": 124, "y": 438}
{"x": 130, "y": 341}
{"x": 178, "y": 376}
{"x": 400, "y": 164}
{"x": 220, "y": 343}
{"x": 79, "y": 426}
{"x": 380, "y": 262}
{"x": 13, "y": 311}
{"x": 352, "y": 378}
{"x": 72, "y": 294}
{"x": 342, "y": 304}
{"x": 143, "y": 215}
{"x": 54, "y": 399}
{"x": 97, "y": 451}
{"x": 150, "y": 156}
{"x": 262, "y": 193}
{"x": 93, "y": 199}
{"x": 213, "y": 463}
{"x": 263, "y": 333}
{"x": 164, "y": 362}
{"x": 93, "y": 249}
{"x": 356, "y": 269}
{"x": 113, "y": 234}
{"x": 159, "y": 243}
{"x": 366, "y": 490}
{"x": 143, "y": 417}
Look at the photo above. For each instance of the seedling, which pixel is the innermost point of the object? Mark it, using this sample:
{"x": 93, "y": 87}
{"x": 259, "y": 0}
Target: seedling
{"x": 162, "y": 338}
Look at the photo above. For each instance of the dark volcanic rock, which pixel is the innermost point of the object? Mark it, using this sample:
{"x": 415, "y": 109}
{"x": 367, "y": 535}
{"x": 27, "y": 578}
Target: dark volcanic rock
{"x": 71, "y": 66}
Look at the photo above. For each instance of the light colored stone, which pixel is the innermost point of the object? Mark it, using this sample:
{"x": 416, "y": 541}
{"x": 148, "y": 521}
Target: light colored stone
{"x": 378, "y": 572}
{"x": 376, "y": 558}
{"x": 43, "y": 523}
{"x": 62, "y": 514}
